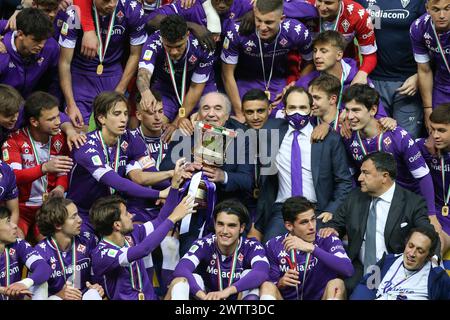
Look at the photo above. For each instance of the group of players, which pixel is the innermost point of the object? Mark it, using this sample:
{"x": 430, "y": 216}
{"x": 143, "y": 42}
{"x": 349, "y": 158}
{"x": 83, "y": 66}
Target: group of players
{"x": 95, "y": 93}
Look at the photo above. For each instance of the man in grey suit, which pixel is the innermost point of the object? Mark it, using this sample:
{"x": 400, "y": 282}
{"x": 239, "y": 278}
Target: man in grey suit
{"x": 378, "y": 217}
{"x": 292, "y": 165}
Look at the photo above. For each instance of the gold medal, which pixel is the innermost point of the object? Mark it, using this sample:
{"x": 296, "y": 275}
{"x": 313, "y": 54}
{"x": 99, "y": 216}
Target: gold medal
{"x": 256, "y": 192}
{"x": 45, "y": 197}
{"x": 100, "y": 69}
{"x": 182, "y": 112}
{"x": 445, "y": 210}
{"x": 267, "y": 93}
{"x": 141, "y": 296}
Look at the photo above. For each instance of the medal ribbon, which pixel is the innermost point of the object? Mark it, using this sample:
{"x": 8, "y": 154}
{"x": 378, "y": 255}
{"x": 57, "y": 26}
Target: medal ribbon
{"x": 293, "y": 265}
{"x": 335, "y": 22}
{"x": 8, "y": 271}
{"x": 44, "y": 178}
{"x": 305, "y": 269}
{"x": 233, "y": 267}
{"x": 267, "y": 83}
{"x": 132, "y": 280}
{"x": 183, "y": 78}
{"x": 440, "y": 47}
{"x": 102, "y": 48}
{"x": 116, "y": 160}
{"x": 61, "y": 261}
{"x": 363, "y": 148}
{"x": 446, "y": 198}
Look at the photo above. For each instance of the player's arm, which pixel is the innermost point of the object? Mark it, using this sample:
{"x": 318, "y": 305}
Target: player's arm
{"x": 231, "y": 88}
{"x": 130, "y": 68}
{"x": 145, "y": 178}
{"x": 148, "y": 101}
{"x": 425, "y": 77}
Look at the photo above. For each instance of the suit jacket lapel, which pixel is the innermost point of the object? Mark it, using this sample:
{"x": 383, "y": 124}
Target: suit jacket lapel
{"x": 395, "y": 212}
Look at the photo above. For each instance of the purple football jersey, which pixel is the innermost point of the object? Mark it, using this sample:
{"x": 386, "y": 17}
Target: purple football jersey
{"x": 25, "y": 73}
{"x": 426, "y": 49}
{"x": 411, "y": 165}
{"x": 20, "y": 254}
{"x": 91, "y": 165}
{"x": 312, "y": 285}
{"x": 84, "y": 244}
{"x": 205, "y": 255}
{"x": 128, "y": 30}
{"x": 199, "y": 67}
{"x": 245, "y": 52}
{"x": 110, "y": 262}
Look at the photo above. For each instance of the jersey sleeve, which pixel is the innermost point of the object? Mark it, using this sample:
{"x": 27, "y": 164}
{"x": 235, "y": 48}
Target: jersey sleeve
{"x": 69, "y": 30}
{"x": 150, "y": 50}
{"x": 89, "y": 158}
{"x": 136, "y": 20}
{"x": 28, "y": 255}
{"x": 230, "y": 50}
{"x": 304, "y": 41}
{"x": 11, "y": 192}
{"x": 420, "y": 51}
{"x": 411, "y": 154}
{"x": 274, "y": 272}
{"x": 365, "y": 33}
{"x": 204, "y": 68}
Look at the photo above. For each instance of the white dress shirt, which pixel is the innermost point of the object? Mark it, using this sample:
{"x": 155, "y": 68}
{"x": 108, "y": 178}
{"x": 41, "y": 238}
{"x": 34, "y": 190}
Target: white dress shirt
{"x": 382, "y": 210}
{"x": 283, "y": 163}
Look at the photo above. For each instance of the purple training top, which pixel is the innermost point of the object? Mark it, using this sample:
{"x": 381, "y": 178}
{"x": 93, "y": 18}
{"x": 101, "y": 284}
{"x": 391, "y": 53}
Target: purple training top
{"x": 24, "y": 73}
{"x": 8, "y": 186}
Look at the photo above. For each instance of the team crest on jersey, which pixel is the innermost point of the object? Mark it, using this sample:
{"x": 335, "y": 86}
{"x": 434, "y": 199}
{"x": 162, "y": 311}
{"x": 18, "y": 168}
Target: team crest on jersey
{"x": 387, "y": 141}
{"x": 12, "y": 251}
{"x": 119, "y": 16}
{"x": 193, "y": 59}
{"x": 345, "y": 24}
{"x": 148, "y": 54}
{"x": 57, "y": 145}
{"x": 283, "y": 42}
{"x": 81, "y": 248}
{"x": 241, "y": 257}
{"x": 124, "y": 146}
{"x": 404, "y": 3}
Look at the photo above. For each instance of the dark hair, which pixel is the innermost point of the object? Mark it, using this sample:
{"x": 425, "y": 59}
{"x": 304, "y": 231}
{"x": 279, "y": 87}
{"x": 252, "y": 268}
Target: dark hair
{"x": 299, "y": 90}
{"x": 48, "y": 4}
{"x": 363, "y": 94}
{"x": 10, "y": 100}
{"x": 173, "y": 28}
{"x": 266, "y": 6}
{"x": 294, "y": 206}
{"x": 441, "y": 114}
{"x": 37, "y": 102}
{"x": 52, "y": 213}
{"x": 233, "y": 206}
{"x": 104, "y": 212}
{"x": 430, "y": 233}
{"x": 334, "y": 38}
{"x": 327, "y": 83}
{"x": 5, "y": 212}
{"x": 255, "y": 94}
{"x": 383, "y": 162}
{"x": 34, "y": 22}
{"x": 104, "y": 102}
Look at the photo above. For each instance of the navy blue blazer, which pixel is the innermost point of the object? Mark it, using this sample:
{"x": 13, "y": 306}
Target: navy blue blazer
{"x": 329, "y": 165}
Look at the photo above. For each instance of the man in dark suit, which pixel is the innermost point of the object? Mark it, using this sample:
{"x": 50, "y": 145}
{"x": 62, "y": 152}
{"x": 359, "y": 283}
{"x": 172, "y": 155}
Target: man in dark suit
{"x": 289, "y": 167}
{"x": 378, "y": 217}
{"x": 234, "y": 178}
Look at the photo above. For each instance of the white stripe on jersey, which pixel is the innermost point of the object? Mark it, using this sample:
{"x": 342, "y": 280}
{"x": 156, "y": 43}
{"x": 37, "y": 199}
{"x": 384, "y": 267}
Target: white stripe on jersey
{"x": 32, "y": 259}
{"x": 123, "y": 259}
{"x": 421, "y": 58}
{"x": 420, "y": 172}
{"x": 100, "y": 172}
{"x": 148, "y": 228}
{"x": 259, "y": 258}
{"x": 192, "y": 259}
